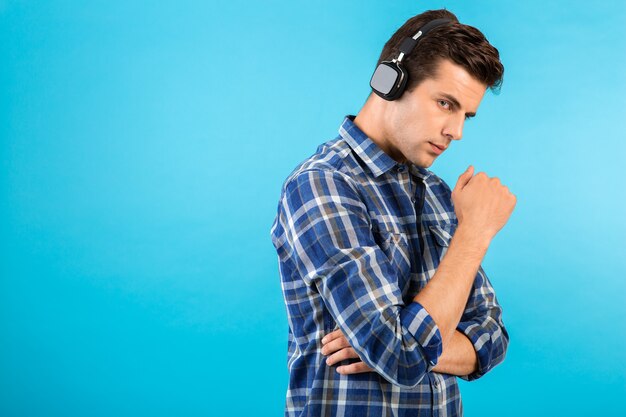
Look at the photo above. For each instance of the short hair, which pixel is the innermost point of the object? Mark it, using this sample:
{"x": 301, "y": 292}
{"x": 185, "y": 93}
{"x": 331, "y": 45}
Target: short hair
{"x": 464, "y": 45}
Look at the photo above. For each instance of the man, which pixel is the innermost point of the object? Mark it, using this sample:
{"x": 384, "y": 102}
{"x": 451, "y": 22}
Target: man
{"x": 379, "y": 260}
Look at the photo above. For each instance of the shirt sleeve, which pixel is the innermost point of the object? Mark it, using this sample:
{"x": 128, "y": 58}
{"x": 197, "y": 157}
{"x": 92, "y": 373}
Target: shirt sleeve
{"x": 482, "y": 323}
{"x": 328, "y": 237}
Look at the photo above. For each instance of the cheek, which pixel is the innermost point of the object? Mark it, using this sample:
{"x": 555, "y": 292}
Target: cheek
{"x": 417, "y": 133}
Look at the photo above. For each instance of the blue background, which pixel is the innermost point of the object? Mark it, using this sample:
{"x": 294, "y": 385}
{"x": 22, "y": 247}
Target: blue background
{"x": 143, "y": 146}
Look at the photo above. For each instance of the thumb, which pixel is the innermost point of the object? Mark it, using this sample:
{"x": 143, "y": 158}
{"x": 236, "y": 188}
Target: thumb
{"x": 464, "y": 178}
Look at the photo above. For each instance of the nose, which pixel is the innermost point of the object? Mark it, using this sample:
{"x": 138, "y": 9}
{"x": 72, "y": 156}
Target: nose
{"x": 454, "y": 129}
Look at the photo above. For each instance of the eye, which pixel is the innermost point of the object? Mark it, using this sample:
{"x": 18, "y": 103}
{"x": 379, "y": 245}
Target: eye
{"x": 445, "y": 104}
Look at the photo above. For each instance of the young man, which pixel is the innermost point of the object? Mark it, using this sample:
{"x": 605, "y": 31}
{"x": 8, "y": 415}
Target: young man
{"x": 379, "y": 260}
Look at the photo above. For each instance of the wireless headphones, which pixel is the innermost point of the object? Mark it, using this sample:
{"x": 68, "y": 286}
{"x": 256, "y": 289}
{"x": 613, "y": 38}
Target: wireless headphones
{"x": 390, "y": 78}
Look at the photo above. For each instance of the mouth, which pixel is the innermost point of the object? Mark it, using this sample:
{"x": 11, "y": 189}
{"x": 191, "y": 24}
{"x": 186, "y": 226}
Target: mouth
{"x": 437, "y": 148}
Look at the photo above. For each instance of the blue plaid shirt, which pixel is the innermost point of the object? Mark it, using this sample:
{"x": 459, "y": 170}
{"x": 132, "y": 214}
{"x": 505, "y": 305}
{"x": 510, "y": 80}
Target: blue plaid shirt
{"x": 358, "y": 235}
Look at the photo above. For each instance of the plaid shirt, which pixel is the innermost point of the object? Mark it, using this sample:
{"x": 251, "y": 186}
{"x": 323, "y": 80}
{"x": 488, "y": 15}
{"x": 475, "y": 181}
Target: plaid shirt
{"x": 358, "y": 235}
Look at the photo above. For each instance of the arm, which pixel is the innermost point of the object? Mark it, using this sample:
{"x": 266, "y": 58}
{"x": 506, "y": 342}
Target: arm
{"x": 482, "y": 324}
{"x": 480, "y": 340}
{"x": 323, "y": 230}
{"x": 445, "y": 296}
{"x": 477, "y": 345}
{"x": 483, "y": 206}
{"x": 458, "y": 357}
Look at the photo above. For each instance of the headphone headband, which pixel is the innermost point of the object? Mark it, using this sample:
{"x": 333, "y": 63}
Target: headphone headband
{"x": 407, "y": 45}
{"x": 390, "y": 78}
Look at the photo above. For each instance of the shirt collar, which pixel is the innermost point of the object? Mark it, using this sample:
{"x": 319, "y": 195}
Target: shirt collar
{"x": 370, "y": 153}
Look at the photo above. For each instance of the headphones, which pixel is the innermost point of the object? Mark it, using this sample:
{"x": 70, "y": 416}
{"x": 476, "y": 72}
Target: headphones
{"x": 389, "y": 79}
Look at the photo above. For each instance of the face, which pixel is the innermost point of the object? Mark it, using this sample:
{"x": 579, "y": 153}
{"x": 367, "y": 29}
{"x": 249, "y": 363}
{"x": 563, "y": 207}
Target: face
{"x": 432, "y": 115}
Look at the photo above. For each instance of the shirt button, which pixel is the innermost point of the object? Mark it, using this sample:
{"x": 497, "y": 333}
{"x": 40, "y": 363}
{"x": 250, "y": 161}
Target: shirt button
{"x": 436, "y": 384}
{"x": 400, "y": 168}
{"x": 413, "y": 200}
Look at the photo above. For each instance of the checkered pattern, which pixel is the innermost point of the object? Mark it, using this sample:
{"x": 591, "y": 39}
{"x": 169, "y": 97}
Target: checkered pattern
{"x": 358, "y": 236}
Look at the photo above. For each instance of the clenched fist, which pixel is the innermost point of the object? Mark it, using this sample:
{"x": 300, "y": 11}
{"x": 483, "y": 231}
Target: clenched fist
{"x": 482, "y": 205}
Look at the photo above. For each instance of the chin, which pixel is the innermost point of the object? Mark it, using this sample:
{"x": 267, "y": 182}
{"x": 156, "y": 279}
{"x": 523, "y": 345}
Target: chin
{"x": 424, "y": 164}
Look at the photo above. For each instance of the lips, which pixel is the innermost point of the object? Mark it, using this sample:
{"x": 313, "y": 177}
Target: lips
{"x": 437, "y": 148}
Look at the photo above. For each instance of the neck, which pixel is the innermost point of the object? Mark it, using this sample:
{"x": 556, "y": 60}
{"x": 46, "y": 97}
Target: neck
{"x": 371, "y": 119}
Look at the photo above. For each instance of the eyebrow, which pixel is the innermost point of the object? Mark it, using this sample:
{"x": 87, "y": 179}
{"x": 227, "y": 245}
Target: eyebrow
{"x": 456, "y": 103}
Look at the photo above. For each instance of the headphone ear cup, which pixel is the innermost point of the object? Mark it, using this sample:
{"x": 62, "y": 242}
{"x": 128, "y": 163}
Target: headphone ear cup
{"x": 385, "y": 80}
{"x": 401, "y": 85}
{"x": 389, "y": 80}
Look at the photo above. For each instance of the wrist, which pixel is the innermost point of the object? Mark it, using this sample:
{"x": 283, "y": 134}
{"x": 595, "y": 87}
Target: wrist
{"x": 471, "y": 238}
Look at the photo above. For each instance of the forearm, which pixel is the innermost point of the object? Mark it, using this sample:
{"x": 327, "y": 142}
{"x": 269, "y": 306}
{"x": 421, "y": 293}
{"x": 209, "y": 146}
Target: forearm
{"x": 445, "y": 296}
{"x": 458, "y": 356}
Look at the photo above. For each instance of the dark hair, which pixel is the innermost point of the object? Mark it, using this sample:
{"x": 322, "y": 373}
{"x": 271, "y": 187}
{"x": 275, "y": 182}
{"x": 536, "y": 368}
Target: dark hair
{"x": 462, "y": 44}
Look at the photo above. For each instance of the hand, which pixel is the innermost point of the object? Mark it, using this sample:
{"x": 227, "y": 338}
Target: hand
{"x": 336, "y": 345}
{"x": 482, "y": 204}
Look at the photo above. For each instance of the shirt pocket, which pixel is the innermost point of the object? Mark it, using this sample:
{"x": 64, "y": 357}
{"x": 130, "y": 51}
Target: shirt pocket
{"x": 442, "y": 233}
{"x": 396, "y": 247}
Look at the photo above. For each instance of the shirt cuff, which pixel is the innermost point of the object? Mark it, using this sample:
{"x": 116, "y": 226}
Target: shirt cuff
{"x": 421, "y": 325}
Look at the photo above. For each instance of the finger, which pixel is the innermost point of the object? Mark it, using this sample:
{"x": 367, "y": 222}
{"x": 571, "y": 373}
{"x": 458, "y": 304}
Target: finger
{"x": 464, "y": 178}
{"x": 342, "y": 355}
{"x": 335, "y": 345}
{"x": 332, "y": 336}
{"x": 354, "y": 368}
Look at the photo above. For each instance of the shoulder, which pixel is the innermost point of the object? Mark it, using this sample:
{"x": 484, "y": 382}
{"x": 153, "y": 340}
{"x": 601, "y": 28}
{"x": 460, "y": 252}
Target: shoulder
{"x": 332, "y": 163}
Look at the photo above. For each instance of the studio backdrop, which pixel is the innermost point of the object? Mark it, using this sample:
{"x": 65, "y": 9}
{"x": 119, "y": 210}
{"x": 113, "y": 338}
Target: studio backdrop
{"x": 143, "y": 146}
